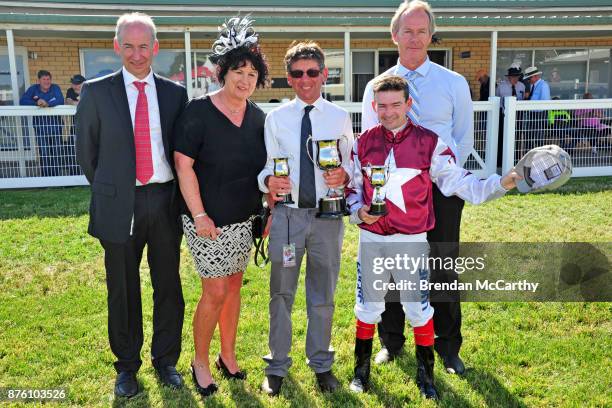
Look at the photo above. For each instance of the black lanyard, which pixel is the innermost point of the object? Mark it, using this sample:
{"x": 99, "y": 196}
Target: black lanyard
{"x": 288, "y": 236}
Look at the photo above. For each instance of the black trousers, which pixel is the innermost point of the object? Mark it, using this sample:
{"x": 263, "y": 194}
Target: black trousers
{"x": 444, "y": 242}
{"x": 156, "y": 227}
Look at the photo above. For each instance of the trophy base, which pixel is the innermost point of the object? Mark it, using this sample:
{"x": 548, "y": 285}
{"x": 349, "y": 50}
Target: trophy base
{"x": 378, "y": 209}
{"x": 286, "y": 199}
{"x": 332, "y": 207}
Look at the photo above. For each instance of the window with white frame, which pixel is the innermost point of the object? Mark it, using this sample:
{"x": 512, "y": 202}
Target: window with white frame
{"x": 99, "y": 62}
{"x": 8, "y": 139}
{"x": 363, "y": 71}
{"x": 167, "y": 63}
{"x": 600, "y": 73}
{"x": 334, "y": 86}
{"x": 369, "y": 63}
{"x": 569, "y": 72}
{"x": 21, "y": 60}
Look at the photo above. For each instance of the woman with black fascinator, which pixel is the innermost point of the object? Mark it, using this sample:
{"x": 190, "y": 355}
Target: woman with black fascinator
{"x": 218, "y": 153}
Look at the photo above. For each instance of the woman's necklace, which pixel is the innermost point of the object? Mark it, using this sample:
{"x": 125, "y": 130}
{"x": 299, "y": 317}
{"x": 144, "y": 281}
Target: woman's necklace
{"x": 231, "y": 111}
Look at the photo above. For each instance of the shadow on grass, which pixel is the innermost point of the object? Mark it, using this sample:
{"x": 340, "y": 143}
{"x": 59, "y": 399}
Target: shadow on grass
{"x": 342, "y": 397}
{"x": 242, "y": 396}
{"x": 292, "y": 390}
{"x": 177, "y": 398}
{"x": 493, "y": 392}
{"x": 484, "y": 383}
{"x": 386, "y": 399}
{"x": 448, "y": 396}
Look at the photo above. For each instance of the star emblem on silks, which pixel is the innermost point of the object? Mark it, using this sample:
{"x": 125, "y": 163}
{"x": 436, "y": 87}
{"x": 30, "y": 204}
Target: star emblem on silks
{"x": 398, "y": 176}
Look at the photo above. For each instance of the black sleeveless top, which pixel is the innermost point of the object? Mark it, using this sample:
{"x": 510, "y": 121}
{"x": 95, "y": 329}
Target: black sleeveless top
{"x": 227, "y": 158}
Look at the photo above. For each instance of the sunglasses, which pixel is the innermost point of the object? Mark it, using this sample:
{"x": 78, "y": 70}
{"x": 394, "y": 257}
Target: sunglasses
{"x": 298, "y": 73}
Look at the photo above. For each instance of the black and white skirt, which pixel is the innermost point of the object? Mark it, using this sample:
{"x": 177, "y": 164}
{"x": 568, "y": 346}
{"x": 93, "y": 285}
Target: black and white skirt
{"x": 224, "y": 256}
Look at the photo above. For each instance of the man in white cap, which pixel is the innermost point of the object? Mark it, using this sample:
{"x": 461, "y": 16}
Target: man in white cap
{"x": 540, "y": 91}
{"x": 535, "y": 121}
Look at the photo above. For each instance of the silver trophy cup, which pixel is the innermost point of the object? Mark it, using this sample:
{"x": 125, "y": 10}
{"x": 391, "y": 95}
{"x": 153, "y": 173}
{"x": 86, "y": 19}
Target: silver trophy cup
{"x": 333, "y": 205}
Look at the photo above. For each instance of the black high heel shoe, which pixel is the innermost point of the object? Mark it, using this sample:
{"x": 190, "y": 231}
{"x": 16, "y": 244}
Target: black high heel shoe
{"x": 204, "y": 391}
{"x": 238, "y": 375}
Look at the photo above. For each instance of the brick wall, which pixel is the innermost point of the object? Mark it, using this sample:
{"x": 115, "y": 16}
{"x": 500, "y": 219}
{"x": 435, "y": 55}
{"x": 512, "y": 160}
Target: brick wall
{"x": 61, "y": 56}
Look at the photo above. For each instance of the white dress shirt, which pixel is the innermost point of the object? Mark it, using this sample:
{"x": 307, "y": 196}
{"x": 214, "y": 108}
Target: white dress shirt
{"x": 283, "y": 139}
{"x": 505, "y": 89}
{"x": 162, "y": 172}
{"x": 445, "y": 102}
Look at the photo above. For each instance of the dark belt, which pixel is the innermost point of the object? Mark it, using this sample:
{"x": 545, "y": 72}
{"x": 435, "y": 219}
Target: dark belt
{"x": 156, "y": 187}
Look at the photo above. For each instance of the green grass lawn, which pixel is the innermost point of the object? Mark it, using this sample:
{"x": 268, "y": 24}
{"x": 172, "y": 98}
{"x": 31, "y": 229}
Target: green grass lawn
{"x": 53, "y": 317}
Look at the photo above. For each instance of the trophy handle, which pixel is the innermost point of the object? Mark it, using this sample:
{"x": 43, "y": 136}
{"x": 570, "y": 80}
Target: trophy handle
{"x": 346, "y": 140}
{"x": 368, "y": 169}
{"x": 309, "y": 141}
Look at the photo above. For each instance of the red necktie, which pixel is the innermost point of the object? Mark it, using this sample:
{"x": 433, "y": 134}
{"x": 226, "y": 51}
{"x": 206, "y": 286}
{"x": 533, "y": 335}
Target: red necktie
{"x": 142, "y": 136}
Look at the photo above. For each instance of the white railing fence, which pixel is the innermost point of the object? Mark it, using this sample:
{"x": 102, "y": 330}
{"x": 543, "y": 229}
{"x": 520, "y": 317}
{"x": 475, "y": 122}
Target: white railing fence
{"x": 582, "y": 127}
{"x": 37, "y": 144}
{"x": 37, "y": 147}
{"x": 483, "y": 160}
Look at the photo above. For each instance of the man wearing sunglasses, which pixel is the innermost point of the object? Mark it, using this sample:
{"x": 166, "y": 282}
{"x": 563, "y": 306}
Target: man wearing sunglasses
{"x": 295, "y": 229}
{"x": 441, "y": 102}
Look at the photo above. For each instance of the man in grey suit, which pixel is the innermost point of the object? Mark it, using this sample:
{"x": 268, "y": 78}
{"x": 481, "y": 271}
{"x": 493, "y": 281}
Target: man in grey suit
{"x": 296, "y": 230}
{"x": 124, "y": 128}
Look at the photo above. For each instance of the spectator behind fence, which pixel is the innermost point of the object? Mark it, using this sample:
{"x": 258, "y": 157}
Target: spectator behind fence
{"x": 72, "y": 98}
{"x": 511, "y": 86}
{"x": 483, "y": 79}
{"x": 48, "y": 129}
{"x": 73, "y": 93}
{"x": 594, "y": 133}
{"x": 559, "y": 121}
{"x": 535, "y": 122}
{"x": 540, "y": 91}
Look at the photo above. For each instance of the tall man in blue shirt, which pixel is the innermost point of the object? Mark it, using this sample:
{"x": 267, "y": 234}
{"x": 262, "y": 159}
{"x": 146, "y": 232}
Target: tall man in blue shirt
{"x": 535, "y": 122}
{"x": 441, "y": 102}
{"x": 48, "y": 129}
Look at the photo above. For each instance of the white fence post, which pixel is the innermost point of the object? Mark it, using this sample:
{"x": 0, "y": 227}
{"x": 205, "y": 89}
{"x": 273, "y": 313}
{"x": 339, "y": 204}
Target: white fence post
{"x": 347, "y": 67}
{"x": 509, "y": 133}
{"x": 492, "y": 135}
{"x": 188, "y": 72}
{"x": 10, "y": 41}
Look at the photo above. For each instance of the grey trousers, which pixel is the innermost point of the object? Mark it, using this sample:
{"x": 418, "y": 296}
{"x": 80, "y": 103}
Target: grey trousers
{"x": 322, "y": 240}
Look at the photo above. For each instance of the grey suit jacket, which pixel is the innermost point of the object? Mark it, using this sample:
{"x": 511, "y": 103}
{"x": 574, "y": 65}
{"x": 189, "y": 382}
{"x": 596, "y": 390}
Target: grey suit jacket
{"x": 106, "y": 153}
